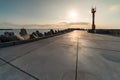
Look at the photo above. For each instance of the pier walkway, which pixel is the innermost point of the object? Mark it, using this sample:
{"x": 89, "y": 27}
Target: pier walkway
{"x": 77, "y": 55}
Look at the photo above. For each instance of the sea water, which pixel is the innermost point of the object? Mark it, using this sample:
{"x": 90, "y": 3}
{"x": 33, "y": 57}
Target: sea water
{"x": 30, "y": 31}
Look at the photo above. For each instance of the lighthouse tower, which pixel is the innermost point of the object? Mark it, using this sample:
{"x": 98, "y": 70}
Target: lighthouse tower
{"x": 93, "y": 10}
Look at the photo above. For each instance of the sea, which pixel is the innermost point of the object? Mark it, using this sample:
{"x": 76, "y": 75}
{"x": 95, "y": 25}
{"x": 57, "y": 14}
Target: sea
{"x": 30, "y": 31}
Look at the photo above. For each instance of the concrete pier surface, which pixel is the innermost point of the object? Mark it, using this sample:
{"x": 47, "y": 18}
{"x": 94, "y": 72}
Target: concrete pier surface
{"x": 76, "y": 54}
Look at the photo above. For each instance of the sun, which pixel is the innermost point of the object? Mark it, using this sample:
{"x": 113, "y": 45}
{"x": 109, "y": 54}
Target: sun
{"x": 73, "y": 15}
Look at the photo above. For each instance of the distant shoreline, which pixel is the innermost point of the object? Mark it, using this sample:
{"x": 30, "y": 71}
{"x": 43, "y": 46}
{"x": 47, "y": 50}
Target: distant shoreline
{"x": 6, "y": 29}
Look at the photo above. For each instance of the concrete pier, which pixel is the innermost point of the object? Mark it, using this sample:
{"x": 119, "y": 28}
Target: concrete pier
{"x": 97, "y": 58}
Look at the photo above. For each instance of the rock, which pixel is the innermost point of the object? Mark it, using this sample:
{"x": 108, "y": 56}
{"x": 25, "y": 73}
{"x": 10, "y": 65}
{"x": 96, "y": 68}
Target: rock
{"x": 32, "y": 36}
{"x": 39, "y": 34}
{"x": 19, "y": 37}
{"x": 51, "y": 31}
{"x": 8, "y": 36}
{"x": 24, "y": 34}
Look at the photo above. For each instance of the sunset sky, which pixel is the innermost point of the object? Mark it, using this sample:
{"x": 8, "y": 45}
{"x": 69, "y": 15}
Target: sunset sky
{"x": 21, "y": 12}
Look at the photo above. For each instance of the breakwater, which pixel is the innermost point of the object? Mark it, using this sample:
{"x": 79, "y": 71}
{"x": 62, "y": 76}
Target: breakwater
{"x": 35, "y": 36}
{"x": 114, "y": 32}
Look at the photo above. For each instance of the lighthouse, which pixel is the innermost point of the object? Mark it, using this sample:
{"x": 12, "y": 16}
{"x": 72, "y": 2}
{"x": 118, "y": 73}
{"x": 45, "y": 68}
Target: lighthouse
{"x": 93, "y": 10}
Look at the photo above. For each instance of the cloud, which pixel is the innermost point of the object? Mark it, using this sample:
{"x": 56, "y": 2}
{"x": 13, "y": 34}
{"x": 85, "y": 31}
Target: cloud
{"x": 41, "y": 26}
{"x": 115, "y": 8}
{"x": 74, "y": 23}
{"x": 79, "y": 23}
{"x": 62, "y": 23}
{"x": 29, "y": 26}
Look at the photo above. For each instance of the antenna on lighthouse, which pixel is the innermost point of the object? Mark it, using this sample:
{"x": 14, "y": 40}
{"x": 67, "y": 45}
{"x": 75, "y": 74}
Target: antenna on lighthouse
{"x": 95, "y": 8}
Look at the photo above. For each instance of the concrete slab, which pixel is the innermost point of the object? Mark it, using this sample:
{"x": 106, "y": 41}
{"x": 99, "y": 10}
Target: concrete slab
{"x": 103, "y": 44}
{"x": 97, "y": 64}
{"x": 10, "y": 73}
{"x": 54, "y": 62}
{"x": 55, "y": 58}
{"x": 15, "y": 52}
{"x": 1, "y": 62}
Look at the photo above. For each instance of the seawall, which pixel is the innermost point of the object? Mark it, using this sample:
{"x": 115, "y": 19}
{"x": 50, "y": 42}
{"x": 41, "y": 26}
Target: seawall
{"x": 12, "y": 43}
